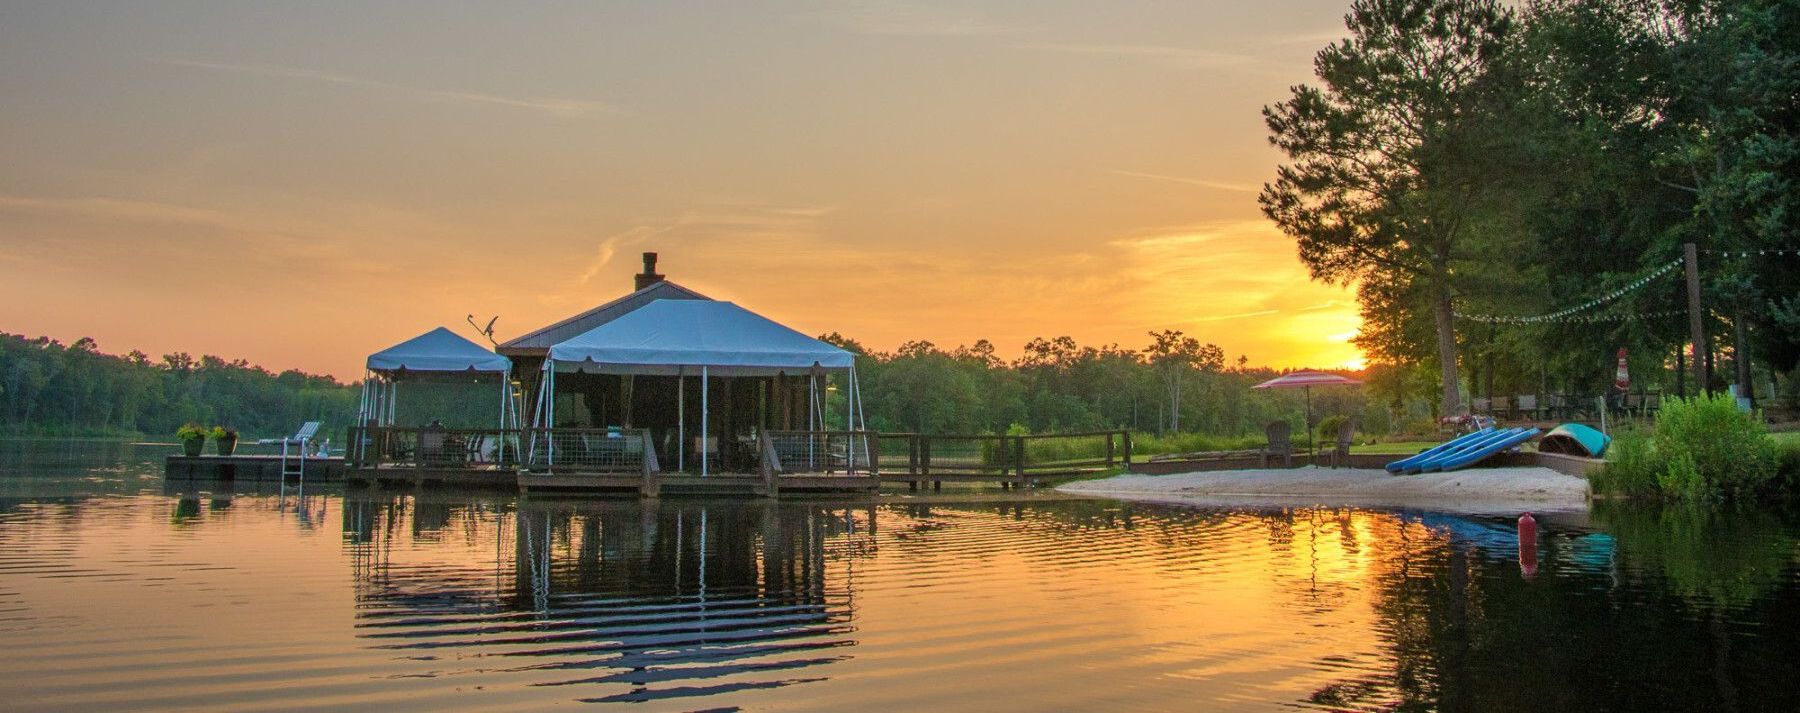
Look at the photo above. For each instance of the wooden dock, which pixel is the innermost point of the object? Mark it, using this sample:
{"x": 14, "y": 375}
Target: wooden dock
{"x": 248, "y": 467}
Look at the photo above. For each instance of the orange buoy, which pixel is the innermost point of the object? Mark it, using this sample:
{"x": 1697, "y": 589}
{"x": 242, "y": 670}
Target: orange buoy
{"x": 1528, "y": 545}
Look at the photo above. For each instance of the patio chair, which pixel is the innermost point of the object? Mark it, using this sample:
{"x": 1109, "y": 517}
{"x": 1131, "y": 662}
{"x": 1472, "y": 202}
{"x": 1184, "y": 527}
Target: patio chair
{"x": 1480, "y": 405}
{"x": 1346, "y": 436}
{"x": 1527, "y": 406}
{"x": 1281, "y": 444}
{"x": 1502, "y": 407}
{"x": 298, "y": 442}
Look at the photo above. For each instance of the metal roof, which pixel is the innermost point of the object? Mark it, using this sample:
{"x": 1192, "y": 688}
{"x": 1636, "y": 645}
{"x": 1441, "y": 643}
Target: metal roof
{"x": 538, "y": 342}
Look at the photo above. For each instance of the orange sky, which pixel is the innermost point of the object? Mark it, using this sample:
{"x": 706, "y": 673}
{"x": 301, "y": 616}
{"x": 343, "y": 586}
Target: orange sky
{"x": 299, "y": 186}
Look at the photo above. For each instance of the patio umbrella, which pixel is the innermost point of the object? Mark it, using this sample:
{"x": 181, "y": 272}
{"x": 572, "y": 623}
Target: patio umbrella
{"x": 1305, "y": 380}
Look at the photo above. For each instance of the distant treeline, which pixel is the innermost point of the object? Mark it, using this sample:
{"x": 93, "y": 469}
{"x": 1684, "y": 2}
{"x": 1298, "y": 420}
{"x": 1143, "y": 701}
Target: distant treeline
{"x": 1176, "y": 384}
{"x": 48, "y": 388}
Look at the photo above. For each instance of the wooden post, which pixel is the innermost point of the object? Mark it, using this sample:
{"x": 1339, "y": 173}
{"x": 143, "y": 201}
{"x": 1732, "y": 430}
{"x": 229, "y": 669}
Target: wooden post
{"x": 1019, "y": 456}
{"x": 1127, "y": 438}
{"x": 1696, "y": 327}
{"x": 1109, "y": 449}
{"x": 871, "y": 444}
{"x": 763, "y": 448}
{"x": 1740, "y": 360}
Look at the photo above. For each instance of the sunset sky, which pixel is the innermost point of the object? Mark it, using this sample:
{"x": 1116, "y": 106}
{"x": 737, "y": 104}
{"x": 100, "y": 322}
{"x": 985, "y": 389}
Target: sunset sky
{"x": 299, "y": 185}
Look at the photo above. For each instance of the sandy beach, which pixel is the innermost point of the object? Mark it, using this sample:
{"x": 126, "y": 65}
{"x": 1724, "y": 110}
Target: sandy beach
{"x": 1478, "y": 490}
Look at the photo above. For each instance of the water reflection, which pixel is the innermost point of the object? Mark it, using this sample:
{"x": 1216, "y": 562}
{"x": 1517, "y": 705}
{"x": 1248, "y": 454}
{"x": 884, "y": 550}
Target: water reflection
{"x": 659, "y": 600}
{"x": 210, "y": 595}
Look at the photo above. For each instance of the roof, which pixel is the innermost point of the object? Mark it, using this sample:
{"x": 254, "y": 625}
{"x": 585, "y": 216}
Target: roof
{"x": 438, "y": 350}
{"x": 538, "y": 342}
{"x": 672, "y": 336}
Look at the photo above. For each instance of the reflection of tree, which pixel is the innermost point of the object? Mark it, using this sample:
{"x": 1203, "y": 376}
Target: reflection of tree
{"x": 1729, "y": 557}
{"x": 1464, "y": 631}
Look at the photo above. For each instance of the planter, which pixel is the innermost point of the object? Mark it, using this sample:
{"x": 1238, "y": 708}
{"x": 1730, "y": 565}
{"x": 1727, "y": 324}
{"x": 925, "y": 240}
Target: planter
{"x": 226, "y": 445}
{"x": 193, "y": 446}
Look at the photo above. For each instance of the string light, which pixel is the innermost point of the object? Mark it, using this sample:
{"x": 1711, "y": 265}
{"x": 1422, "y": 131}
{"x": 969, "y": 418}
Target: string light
{"x": 1572, "y": 314}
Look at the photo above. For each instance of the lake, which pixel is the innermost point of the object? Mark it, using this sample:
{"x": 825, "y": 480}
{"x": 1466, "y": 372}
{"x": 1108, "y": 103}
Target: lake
{"x": 119, "y": 591}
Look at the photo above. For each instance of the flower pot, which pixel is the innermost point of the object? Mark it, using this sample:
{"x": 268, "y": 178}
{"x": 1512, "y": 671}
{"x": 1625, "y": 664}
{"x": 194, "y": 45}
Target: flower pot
{"x": 226, "y": 445}
{"x": 193, "y": 446}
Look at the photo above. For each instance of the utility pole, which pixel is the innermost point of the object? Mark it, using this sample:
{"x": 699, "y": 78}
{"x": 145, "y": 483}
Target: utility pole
{"x": 1690, "y": 255}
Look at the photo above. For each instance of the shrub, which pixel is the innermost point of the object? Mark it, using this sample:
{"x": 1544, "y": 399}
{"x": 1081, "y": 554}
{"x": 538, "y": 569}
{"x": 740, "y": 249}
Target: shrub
{"x": 1712, "y": 449}
{"x": 221, "y": 433}
{"x": 191, "y": 432}
{"x": 1328, "y": 427}
{"x": 1631, "y": 466}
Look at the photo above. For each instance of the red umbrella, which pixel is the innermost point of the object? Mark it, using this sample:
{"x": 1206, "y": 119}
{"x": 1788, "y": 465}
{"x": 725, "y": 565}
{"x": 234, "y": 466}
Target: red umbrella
{"x": 1305, "y": 380}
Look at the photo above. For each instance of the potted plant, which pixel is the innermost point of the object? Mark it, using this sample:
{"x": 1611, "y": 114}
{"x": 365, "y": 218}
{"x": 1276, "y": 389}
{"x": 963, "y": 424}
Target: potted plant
{"x": 193, "y": 438}
{"x": 225, "y": 439}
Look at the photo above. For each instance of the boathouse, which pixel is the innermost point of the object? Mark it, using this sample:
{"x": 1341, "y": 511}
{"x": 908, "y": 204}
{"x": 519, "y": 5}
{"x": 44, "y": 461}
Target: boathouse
{"x": 667, "y": 389}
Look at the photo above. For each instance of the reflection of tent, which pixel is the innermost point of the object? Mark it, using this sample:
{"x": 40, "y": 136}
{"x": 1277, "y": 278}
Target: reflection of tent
{"x": 697, "y": 337}
{"x": 437, "y": 352}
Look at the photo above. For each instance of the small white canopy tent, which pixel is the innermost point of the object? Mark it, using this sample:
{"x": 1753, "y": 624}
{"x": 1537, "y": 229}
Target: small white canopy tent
{"x": 439, "y": 351}
{"x": 704, "y": 338}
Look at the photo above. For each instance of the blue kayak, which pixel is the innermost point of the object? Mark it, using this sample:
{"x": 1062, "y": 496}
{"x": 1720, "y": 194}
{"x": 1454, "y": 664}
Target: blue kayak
{"x": 1463, "y": 451}
{"x": 1507, "y": 440}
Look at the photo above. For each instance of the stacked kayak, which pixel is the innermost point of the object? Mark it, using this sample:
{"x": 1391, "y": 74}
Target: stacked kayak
{"x": 1464, "y": 451}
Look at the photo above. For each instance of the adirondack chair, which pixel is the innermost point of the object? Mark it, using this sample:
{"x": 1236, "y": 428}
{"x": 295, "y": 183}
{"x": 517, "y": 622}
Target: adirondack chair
{"x": 1346, "y": 436}
{"x": 299, "y": 443}
{"x": 1281, "y": 444}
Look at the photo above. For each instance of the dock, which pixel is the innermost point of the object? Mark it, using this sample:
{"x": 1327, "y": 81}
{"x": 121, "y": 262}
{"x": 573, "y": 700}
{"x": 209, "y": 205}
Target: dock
{"x": 624, "y": 464}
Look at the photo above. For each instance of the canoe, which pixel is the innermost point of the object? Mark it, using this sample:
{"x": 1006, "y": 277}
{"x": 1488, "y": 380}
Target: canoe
{"x": 1576, "y": 440}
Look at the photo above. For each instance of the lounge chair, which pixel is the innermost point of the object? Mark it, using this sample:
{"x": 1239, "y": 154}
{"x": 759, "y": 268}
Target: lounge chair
{"x": 1281, "y": 444}
{"x": 1346, "y": 435}
{"x": 299, "y": 442}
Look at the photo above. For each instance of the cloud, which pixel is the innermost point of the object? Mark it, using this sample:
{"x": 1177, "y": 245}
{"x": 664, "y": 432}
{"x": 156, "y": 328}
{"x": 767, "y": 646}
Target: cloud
{"x": 547, "y": 105}
{"x": 1218, "y": 185}
{"x": 1179, "y": 56}
{"x": 906, "y": 19}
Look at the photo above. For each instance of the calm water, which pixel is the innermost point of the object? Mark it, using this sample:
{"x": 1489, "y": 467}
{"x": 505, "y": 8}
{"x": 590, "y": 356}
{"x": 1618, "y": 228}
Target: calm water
{"x": 117, "y": 591}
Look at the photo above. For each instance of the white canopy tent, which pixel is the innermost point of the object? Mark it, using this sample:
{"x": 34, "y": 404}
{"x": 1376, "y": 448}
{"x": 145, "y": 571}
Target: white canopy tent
{"x": 703, "y": 338}
{"x": 439, "y": 351}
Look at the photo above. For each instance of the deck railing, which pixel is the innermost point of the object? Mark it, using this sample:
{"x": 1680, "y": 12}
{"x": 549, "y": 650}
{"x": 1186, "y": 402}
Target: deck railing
{"x": 390, "y": 447}
{"x": 826, "y": 452}
{"x": 590, "y": 450}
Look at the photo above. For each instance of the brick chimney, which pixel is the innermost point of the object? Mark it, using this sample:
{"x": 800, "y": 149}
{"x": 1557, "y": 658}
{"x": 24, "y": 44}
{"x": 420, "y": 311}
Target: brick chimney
{"x": 648, "y": 277}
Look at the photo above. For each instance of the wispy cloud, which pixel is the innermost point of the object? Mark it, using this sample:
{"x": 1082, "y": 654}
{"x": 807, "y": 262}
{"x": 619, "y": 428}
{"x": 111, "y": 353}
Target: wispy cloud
{"x": 1203, "y": 183}
{"x": 896, "y": 18}
{"x": 553, "y": 106}
{"x": 1180, "y": 56}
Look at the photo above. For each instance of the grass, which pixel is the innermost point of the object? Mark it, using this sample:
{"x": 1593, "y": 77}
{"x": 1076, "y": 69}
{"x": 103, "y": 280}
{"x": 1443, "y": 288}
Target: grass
{"x": 1401, "y": 448}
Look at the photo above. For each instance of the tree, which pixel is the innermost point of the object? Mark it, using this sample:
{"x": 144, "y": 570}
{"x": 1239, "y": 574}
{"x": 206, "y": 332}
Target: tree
{"x": 1386, "y": 162}
{"x": 1174, "y": 355}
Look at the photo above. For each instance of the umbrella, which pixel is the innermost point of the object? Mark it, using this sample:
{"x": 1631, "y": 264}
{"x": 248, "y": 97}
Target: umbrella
{"x": 1305, "y": 380}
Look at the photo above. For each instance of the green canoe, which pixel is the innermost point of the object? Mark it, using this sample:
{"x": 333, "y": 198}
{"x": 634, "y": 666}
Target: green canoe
{"x": 1576, "y": 440}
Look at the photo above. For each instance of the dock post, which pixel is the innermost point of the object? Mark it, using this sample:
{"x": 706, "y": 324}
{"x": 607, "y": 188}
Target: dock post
{"x": 1127, "y": 439}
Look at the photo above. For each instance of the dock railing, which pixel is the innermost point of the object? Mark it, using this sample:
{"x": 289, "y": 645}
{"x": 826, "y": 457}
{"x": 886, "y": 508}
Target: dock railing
{"x": 825, "y": 452}
{"x": 1003, "y": 456}
{"x": 590, "y": 450}
{"x": 420, "y": 448}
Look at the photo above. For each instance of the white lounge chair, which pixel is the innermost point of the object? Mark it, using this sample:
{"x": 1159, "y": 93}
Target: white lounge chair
{"x": 299, "y": 442}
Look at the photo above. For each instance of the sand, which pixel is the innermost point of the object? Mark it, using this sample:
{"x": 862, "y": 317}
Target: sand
{"x": 1477, "y": 490}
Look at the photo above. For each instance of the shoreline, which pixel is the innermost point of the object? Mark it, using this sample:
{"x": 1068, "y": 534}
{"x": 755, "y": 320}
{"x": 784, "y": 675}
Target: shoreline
{"x": 1503, "y": 490}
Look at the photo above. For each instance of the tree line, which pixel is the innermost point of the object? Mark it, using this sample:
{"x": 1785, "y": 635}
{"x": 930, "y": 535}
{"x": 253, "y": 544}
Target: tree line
{"x": 49, "y": 388}
{"x": 1175, "y": 384}
{"x": 1473, "y": 157}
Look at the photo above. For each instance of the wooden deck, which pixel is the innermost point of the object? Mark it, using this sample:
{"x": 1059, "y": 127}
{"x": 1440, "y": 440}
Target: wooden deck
{"x": 247, "y": 467}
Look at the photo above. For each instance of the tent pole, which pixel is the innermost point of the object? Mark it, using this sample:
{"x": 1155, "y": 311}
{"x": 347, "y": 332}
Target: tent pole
{"x": 850, "y": 420}
{"x": 1310, "y": 453}
{"x": 704, "y": 388}
{"x": 680, "y": 419}
{"x": 500, "y": 444}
